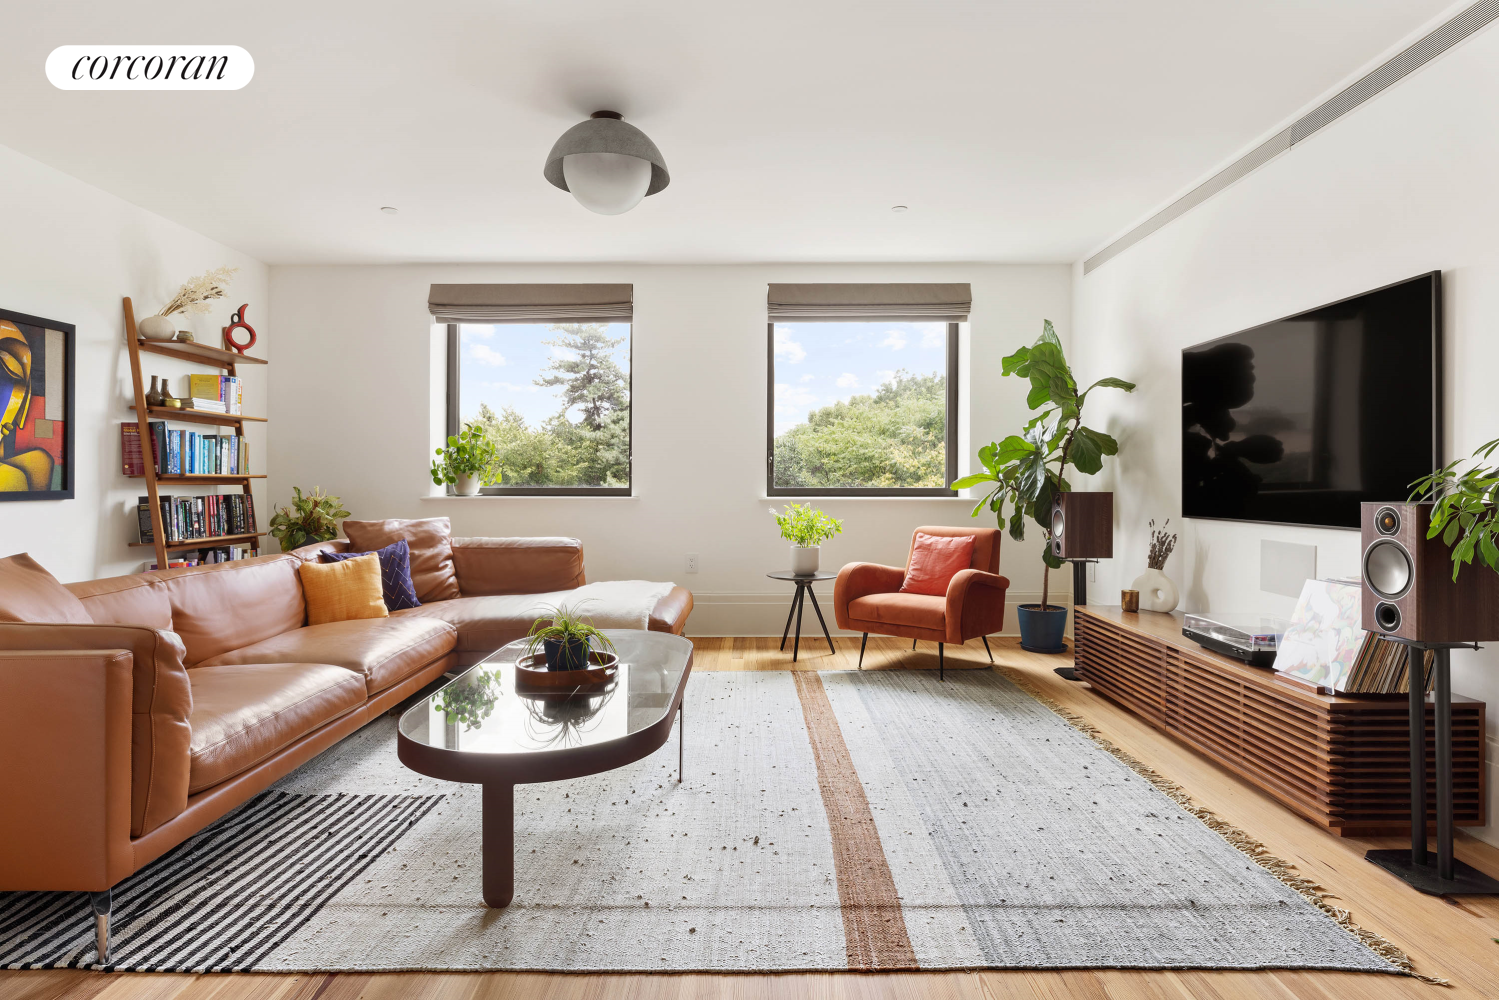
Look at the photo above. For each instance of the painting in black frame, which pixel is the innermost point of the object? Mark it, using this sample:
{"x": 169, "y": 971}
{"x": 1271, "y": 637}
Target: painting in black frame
{"x": 36, "y": 408}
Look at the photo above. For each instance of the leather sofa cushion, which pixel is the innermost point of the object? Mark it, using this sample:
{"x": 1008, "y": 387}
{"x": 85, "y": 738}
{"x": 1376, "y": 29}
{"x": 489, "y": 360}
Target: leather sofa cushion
{"x": 431, "y": 544}
{"x": 28, "y": 593}
{"x": 126, "y": 600}
{"x": 245, "y": 713}
{"x": 235, "y": 604}
{"x": 910, "y": 610}
{"x": 488, "y": 566}
{"x": 385, "y": 651}
{"x": 484, "y": 624}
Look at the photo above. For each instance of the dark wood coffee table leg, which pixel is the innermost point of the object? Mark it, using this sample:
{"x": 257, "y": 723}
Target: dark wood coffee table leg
{"x": 499, "y": 844}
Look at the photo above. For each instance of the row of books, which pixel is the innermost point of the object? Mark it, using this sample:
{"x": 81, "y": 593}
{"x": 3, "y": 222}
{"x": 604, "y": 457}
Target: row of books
{"x": 1325, "y": 645}
{"x": 187, "y": 518}
{"x": 206, "y": 557}
{"x": 1380, "y": 668}
{"x": 182, "y": 452}
{"x": 215, "y": 393}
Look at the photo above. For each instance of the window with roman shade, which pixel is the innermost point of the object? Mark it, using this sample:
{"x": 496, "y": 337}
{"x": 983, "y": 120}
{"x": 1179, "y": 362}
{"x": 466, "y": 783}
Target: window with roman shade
{"x": 863, "y": 388}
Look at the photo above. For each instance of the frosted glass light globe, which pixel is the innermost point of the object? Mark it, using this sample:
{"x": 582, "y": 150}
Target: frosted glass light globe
{"x": 606, "y": 183}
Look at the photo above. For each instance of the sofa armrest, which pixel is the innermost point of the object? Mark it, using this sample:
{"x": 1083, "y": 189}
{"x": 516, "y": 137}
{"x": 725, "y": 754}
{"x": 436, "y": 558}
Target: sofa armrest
{"x": 65, "y": 731}
{"x": 488, "y": 566}
{"x": 975, "y": 604}
{"x": 861, "y": 579}
{"x": 160, "y": 702}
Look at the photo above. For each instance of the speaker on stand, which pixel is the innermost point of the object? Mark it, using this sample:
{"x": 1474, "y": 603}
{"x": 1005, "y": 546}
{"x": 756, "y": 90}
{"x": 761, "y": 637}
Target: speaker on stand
{"x": 1410, "y": 597}
{"x": 1082, "y": 532}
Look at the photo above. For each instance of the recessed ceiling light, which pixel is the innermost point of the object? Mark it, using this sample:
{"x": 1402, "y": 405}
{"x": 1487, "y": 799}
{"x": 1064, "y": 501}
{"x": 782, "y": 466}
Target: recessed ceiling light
{"x": 388, "y": 210}
{"x": 898, "y": 208}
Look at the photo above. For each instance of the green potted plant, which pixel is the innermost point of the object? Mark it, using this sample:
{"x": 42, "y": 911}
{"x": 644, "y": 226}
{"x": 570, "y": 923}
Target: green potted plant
{"x": 565, "y": 639}
{"x": 806, "y": 528}
{"x": 1463, "y": 508}
{"x": 1028, "y": 469}
{"x": 464, "y": 459}
{"x": 311, "y": 518}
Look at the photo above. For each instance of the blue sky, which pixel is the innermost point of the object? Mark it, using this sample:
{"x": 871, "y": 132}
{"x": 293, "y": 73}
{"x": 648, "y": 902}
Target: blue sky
{"x": 817, "y": 364}
{"x": 501, "y": 363}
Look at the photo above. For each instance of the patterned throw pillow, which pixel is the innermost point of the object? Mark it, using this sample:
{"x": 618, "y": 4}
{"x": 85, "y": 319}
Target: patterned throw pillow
{"x": 342, "y": 591}
{"x": 395, "y": 573}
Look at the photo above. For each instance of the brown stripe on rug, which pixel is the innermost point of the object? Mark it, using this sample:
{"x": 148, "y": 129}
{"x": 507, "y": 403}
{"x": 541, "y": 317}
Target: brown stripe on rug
{"x": 873, "y": 925}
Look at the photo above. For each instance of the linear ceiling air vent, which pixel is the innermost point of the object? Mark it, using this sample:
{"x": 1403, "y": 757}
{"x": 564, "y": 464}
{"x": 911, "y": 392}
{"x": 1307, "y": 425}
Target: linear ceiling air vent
{"x": 1460, "y": 27}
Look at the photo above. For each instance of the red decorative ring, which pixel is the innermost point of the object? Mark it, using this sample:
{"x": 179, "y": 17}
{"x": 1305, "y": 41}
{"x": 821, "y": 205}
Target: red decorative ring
{"x": 237, "y": 321}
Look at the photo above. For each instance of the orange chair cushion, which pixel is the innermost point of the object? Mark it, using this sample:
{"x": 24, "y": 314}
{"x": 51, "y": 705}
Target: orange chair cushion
{"x": 934, "y": 562}
{"x": 905, "y": 610}
{"x": 343, "y": 591}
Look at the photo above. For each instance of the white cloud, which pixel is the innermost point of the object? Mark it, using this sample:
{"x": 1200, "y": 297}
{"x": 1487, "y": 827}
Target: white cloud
{"x": 885, "y": 375}
{"x": 788, "y": 348}
{"x": 793, "y": 399}
{"x": 933, "y": 337}
{"x": 848, "y": 380}
{"x": 894, "y": 340}
{"x": 486, "y": 355}
{"x": 806, "y": 378}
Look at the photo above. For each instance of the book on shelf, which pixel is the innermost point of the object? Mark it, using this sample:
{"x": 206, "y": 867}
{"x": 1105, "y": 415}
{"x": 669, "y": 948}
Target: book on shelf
{"x": 1326, "y": 647}
{"x": 225, "y": 390}
{"x": 204, "y": 406}
{"x": 204, "y": 557}
{"x": 186, "y": 519}
{"x": 133, "y": 459}
{"x": 185, "y": 452}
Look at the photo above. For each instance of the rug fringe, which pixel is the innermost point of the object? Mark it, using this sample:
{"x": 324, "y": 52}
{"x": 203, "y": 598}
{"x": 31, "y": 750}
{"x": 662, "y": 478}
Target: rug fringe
{"x": 1283, "y": 870}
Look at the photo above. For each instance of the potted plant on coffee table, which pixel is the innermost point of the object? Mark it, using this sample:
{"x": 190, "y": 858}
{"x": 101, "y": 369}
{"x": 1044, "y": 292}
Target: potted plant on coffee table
{"x": 1028, "y": 469}
{"x": 309, "y": 519}
{"x": 565, "y": 638}
{"x": 806, "y": 528}
{"x": 464, "y": 459}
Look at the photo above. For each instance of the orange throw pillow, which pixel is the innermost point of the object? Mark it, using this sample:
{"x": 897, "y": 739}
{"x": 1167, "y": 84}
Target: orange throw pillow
{"x": 935, "y": 559}
{"x": 343, "y": 591}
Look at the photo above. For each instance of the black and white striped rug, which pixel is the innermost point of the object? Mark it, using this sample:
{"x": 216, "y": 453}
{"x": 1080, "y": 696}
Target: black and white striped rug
{"x": 226, "y": 898}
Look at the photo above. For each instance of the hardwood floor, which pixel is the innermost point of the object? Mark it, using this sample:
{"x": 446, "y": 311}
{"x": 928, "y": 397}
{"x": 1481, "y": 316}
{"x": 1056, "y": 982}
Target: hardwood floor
{"x": 1454, "y": 940}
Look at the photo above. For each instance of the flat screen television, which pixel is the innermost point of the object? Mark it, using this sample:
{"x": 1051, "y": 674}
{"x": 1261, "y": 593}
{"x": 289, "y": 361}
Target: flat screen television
{"x": 1301, "y": 420}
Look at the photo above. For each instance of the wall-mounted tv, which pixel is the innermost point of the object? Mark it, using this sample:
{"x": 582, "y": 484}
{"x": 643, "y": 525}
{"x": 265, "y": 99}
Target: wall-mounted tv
{"x": 1300, "y": 420}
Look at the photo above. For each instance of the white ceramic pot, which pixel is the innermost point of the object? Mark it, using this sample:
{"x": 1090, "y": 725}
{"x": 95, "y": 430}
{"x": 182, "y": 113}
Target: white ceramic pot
{"x": 467, "y": 486}
{"x": 1157, "y": 592}
{"x": 804, "y": 559}
{"x": 157, "y": 328}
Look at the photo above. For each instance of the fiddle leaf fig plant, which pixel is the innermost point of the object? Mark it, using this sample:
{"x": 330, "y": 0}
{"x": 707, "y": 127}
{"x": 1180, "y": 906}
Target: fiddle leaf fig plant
{"x": 1465, "y": 508}
{"x": 1028, "y": 469}
{"x": 311, "y": 518}
{"x": 468, "y": 453}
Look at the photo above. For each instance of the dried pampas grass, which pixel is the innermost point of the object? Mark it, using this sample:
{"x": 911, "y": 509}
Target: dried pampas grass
{"x": 196, "y": 293}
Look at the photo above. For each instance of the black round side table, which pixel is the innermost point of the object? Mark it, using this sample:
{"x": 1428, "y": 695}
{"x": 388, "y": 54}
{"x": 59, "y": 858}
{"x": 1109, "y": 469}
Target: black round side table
{"x": 803, "y": 588}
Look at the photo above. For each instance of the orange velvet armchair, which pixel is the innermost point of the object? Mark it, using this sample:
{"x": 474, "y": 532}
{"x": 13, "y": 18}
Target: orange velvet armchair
{"x": 867, "y": 598}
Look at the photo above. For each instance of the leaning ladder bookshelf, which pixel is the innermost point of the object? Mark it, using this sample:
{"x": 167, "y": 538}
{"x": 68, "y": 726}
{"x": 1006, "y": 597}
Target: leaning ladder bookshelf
{"x": 197, "y": 354}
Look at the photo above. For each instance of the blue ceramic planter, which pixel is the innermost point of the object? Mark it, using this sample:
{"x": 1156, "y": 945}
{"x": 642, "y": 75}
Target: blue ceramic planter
{"x": 1041, "y": 630}
{"x": 572, "y": 655}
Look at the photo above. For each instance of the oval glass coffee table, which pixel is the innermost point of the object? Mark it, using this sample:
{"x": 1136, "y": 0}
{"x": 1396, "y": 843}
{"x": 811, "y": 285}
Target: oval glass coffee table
{"x": 478, "y": 729}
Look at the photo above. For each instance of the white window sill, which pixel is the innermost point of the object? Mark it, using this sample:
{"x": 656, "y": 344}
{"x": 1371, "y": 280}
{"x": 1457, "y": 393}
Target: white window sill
{"x": 514, "y": 496}
{"x": 837, "y": 499}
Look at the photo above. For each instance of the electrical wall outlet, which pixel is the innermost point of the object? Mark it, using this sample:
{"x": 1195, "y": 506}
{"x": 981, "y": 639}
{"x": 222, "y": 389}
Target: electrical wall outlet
{"x": 692, "y": 562}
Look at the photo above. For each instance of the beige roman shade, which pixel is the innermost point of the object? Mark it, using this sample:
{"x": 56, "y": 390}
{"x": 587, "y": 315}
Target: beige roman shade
{"x": 893, "y": 301}
{"x": 531, "y": 303}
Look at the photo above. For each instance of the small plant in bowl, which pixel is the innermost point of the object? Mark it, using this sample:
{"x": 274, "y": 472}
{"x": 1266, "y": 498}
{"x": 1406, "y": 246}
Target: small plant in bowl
{"x": 806, "y": 528}
{"x": 565, "y": 637}
{"x": 311, "y": 518}
{"x": 463, "y": 460}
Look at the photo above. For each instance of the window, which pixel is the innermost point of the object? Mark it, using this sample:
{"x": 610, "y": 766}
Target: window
{"x": 555, "y": 399}
{"x": 866, "y": 407}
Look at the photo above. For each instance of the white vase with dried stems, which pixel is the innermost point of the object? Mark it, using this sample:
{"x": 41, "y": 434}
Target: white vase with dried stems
{"x": 1157, "y": 592}
{"x": 193, "y": 297}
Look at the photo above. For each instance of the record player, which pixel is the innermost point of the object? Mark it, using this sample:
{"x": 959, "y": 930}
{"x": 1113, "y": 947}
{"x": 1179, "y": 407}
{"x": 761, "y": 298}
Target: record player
{"x": 1251, "y": 638}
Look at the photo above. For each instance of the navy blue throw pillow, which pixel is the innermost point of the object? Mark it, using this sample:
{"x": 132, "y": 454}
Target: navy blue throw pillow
{"x": 395, "y": 573}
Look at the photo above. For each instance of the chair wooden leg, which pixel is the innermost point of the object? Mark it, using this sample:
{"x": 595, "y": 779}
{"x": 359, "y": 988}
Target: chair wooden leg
{"x": 862, "y": 643}
{"x": 940, "y": 676}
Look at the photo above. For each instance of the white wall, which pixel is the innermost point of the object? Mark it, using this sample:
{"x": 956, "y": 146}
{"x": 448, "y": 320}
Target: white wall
{"x": 1401, "y": 186}
{"x": 358, "y": 415}
{"x": 69, "y": 252}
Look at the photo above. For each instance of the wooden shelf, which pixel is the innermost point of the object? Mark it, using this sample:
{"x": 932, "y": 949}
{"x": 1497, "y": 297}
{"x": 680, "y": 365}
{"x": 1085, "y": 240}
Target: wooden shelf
{"x": 202, "y": 480}
{"x": 193, "y": 351}
{"x": 198, "y": 416}
{"x": 204, "y": 543}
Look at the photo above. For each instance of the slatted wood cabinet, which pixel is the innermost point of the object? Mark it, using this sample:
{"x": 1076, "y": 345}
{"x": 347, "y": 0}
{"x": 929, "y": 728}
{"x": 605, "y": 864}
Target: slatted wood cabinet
{"x": 1342, "y": 762}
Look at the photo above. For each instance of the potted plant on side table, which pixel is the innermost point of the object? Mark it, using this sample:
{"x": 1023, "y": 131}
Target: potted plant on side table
{"x": 463, "y": 461}
{"x": 1028, "y": 469}
{"x": 806, "y": 528}
{"x": 309, "y": 519}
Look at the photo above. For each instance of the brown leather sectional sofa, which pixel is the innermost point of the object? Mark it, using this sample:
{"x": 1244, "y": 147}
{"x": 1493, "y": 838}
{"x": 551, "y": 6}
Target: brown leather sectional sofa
{"x": 136, "y": 710}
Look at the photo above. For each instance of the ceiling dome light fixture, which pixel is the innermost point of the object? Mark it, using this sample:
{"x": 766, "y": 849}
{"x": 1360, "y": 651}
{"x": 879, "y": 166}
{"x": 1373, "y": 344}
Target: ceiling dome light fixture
{"x": 606, "y": 164}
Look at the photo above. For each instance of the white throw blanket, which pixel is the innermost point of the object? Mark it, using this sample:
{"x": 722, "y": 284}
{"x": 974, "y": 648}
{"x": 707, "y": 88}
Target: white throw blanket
{"x": 612, "y": 603}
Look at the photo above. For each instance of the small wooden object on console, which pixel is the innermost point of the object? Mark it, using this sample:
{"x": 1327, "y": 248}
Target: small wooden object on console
{"x": 1341, "y": 762}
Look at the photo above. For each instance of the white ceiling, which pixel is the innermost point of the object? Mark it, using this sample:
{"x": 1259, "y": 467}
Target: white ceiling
{"x": 1026, "y": 130}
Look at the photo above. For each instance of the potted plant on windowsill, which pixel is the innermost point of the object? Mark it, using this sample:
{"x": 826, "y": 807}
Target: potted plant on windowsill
{"x": 806, "y": 528}
{"x": 310, "y": 519}
{"x": 464, "y": 459}
{"x": 566, "y": 639}
{"x": 1028, "y": 469}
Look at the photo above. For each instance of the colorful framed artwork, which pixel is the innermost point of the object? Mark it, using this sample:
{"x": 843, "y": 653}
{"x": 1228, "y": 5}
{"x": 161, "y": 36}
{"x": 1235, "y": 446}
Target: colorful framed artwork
{"x": 36, "y": 408}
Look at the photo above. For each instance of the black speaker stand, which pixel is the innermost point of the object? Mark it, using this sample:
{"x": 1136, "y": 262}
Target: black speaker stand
{"x": 1439, "y": 874}
{"x": 1079, "y": 598}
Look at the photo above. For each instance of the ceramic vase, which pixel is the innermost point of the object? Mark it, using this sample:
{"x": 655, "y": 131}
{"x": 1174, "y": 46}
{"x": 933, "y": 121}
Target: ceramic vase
{"x": 1157, "y": 592}
{"x": 153, "y": 397}
{"x": 157, "y": 328}
{"x": 804, "y": 559}
{"x": 467, "y": 485}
